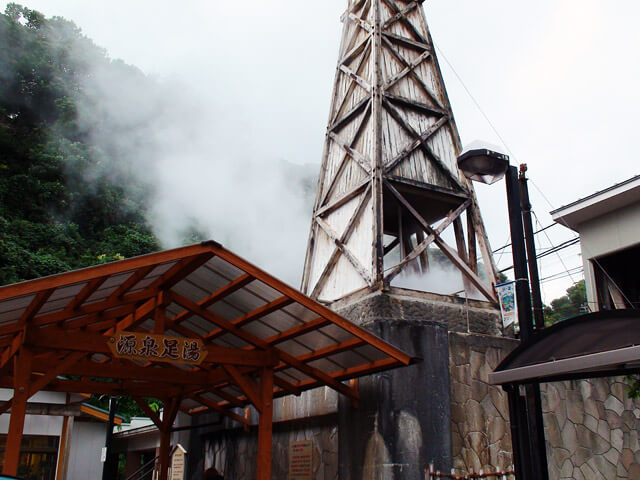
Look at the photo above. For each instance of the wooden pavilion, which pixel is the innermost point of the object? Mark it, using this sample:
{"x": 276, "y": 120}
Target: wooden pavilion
{"x": 197, "y": 327}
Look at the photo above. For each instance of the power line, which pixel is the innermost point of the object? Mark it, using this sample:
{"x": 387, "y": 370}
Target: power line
{"x": 535, "y": 233}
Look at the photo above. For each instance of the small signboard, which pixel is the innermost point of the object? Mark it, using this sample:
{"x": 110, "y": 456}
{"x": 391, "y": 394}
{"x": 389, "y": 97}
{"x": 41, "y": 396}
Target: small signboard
{"x": 178, "y": 461}
{"x": 301, "y": 460}
{"x": 157, "y": 348}
{"x": 508, "y": 303}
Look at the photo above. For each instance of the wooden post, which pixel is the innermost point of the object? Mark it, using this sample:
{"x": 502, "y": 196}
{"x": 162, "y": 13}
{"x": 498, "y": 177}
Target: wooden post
{"x": 265, "y": 426}
{"x": 169, "y": 415}
{"x": 165, "y": 446}
{"x": 21, "y": 375}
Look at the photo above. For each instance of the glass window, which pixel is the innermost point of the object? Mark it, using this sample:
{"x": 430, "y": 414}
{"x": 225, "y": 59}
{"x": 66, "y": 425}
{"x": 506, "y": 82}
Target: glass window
{"x": 38, "y": 456}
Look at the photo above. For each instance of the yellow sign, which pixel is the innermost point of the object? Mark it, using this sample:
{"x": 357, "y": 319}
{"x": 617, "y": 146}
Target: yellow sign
{"x": 157, "y": 348}
{"x": 301, "y": 460}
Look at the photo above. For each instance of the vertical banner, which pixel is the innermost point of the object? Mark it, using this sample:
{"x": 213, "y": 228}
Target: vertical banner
{"x": 508, "y": 304}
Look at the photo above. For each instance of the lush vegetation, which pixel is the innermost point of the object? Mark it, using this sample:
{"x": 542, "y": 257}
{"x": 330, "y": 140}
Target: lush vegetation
{"x": 570, "y": 305}
{"x": 61, "y": 206}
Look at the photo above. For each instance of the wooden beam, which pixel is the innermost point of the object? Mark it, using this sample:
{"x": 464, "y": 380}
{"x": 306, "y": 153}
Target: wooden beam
{"x": 408, "y": 68}
{"x": 55, "y": 369}
{"x": 344, "y": 238}
{"x": 217, "y": 408}
{"x": 148, "y": 411}
{"x": 247, "y": 385}
{"x": 446, "y": 249}
{"x": 411, "y": 72}
{"x": 253, "y": 315}
{"x": 108, "y": 269}
{"x": 130, "y": 282}
{"x": 401, "y": 15}
{"x": 34, "y": 307}
{"x": 265, "y": 426}
{"x": 12, "y": 349}
{"x": 357, "y": 132}
{"x": 88, "y": 290}
{"x": 216, "y": 296}
{"x": 347, "y": 117}
{"x": 346, "y": 252}
{"x": 347, "y": 196}
{"x": 22, "y": 374}
{"x": 410, "y": 148}
{"x": 256, "y": 341}
{"x": 297, "y": 331}
{"x": 407, "y": 42}
{"x": 416, "y": 105}
{"x": 312, "y": 305}
{"x": 432, "y": 156}
{"x": 471, "y": 233}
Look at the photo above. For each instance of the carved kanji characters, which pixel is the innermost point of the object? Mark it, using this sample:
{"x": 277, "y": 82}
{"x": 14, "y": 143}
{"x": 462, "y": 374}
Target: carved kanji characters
{"x": 170, "y": 349}
{"x": 149, "y": 347}
{"x": 127, "y": 345}
{"x": 191, "y": 351}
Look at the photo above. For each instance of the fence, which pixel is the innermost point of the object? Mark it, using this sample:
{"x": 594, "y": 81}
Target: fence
{"x": 432, "y": 474}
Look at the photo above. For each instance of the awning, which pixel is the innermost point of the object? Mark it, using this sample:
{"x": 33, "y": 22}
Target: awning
{"x": 598, "y": 344}
{"x": 244, "y": 316}
{"x": 198, "y": 327}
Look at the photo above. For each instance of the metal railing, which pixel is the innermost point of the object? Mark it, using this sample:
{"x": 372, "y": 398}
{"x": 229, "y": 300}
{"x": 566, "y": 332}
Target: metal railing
{"x": 432, "y": 474}
{"x": 145, "y": 471}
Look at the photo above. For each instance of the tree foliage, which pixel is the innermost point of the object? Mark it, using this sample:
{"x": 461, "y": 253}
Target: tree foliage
{"x": 60, "y": 208}
{"x": 61, "y": 204}
{"x": 570, "y": 305}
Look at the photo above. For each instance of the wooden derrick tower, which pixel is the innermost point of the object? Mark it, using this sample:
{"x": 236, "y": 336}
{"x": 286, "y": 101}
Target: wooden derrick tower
{"x": 389, "y": 186}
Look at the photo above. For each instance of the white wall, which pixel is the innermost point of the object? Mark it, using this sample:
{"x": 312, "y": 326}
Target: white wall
{"x": 611, "y": 232}
{"x": 87, "y": 440}
{"x": 607, "y": 234}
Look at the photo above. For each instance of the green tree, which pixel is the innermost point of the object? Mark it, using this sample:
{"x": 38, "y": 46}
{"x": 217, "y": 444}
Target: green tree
{"x": 570, "y": 305}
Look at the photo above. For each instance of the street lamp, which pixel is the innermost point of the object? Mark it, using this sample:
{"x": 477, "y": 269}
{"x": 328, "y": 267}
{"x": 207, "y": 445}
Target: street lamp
{"x": 483, "y": 165}
{"x": 487, "y": 166}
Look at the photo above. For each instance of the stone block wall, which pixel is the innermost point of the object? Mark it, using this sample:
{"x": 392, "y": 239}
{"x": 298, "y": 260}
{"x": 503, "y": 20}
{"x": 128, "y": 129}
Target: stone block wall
{"x": 479, "y": 411}
{"x": 591, "y": 429}
{"x": 233, "y": 452}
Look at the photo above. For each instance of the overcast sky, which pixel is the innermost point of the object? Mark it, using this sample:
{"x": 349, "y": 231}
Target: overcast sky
{"x": 557, "y": 79}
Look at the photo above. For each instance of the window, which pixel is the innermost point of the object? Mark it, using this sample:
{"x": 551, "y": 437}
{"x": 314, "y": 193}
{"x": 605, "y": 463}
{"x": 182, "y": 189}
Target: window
{"x": 38, "y": 456}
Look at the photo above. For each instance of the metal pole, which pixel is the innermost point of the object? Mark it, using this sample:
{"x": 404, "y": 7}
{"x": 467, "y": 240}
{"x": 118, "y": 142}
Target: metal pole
{"x": 107, "y": 468}
{"x": 519, "y": 257}
{"x": 516, "y": 429}
{"x": 530, "y": 414}
{"x": 534, "y": 277}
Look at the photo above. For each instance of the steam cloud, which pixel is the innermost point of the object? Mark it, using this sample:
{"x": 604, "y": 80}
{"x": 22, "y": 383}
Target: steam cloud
{"x": 202, "y": 170}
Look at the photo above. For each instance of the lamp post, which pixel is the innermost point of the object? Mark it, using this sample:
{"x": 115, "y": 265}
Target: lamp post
{"x": 527, "y": 429}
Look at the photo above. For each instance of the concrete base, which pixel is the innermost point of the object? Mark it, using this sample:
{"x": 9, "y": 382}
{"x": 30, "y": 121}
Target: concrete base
{"x": 404, "y": 418}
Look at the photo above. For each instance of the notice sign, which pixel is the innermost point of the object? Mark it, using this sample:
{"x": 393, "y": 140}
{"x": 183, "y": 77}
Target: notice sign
{"x": 301, "y": 460}
{"x": 178, "y": 463}
{"x": 157, "y": 348}
{"x": 508, "y": 303}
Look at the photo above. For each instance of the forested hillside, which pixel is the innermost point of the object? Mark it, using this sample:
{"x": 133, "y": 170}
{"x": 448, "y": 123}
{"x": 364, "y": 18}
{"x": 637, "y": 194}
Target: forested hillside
{"x": 62, "y": 205}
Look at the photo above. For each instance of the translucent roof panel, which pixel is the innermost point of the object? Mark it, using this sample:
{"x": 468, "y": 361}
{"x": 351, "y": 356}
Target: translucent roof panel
{"x": 245, "y": 318}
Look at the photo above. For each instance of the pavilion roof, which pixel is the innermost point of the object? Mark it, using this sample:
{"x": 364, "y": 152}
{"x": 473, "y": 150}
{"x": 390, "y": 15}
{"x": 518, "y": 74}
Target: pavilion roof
{"x": 246, "y": 319}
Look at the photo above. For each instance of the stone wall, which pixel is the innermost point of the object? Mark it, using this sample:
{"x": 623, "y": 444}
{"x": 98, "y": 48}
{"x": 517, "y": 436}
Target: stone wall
{"x": 233, "y": 451}
{"x": 479, "y": 412}
{"x": 591, "y": 428}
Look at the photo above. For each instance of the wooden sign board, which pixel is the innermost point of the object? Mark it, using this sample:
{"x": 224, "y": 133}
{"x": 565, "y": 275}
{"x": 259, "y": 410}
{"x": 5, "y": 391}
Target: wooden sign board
{"x": 157, "y": 348}
{"x": 178, "y": 462}
{"x": 301, "y": 460}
